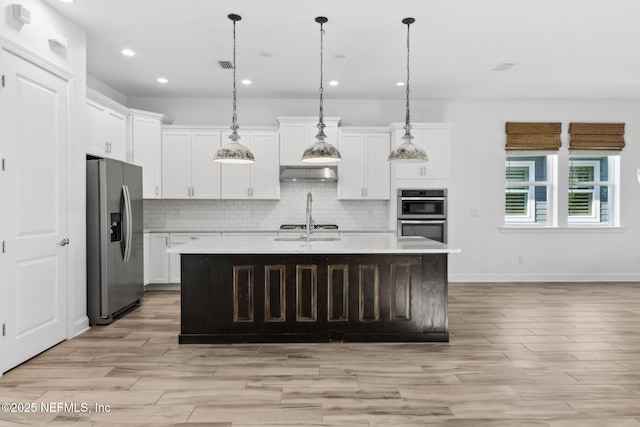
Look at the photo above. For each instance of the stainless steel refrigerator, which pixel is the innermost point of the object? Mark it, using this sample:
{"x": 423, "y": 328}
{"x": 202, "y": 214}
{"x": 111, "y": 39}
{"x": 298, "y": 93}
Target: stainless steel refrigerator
{"x": 115, "y": 259}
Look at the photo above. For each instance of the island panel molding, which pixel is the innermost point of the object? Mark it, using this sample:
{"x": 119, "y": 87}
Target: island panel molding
{"x": 326, "y": 297}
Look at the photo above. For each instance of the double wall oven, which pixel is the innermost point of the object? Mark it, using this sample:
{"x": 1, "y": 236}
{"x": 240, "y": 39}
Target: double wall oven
{"x": 422, "y": 213}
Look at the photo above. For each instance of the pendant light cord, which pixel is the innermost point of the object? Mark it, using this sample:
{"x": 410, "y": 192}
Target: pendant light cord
{"x": 321, "y": 135}
{"x": 408, "y": 92}
{"x": 234, "y": 120}
{"x": 407, "y": 126}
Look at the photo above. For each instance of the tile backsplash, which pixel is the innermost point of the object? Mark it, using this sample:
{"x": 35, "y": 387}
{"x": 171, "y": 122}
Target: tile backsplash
{"x": 268, "y": 214}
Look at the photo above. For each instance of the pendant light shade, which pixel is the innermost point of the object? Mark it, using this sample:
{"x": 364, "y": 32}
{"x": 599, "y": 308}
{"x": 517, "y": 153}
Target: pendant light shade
{"x": 234, "y": 152}
{"x": 408, "y": 152}
{"x": 321, "y": 151}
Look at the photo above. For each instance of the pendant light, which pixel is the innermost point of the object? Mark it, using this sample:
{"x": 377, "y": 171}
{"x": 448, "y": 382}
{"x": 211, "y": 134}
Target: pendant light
{"x": 408, "y": 152}
{"x": 234, "y": 152}
{"x": 321, "y": 151}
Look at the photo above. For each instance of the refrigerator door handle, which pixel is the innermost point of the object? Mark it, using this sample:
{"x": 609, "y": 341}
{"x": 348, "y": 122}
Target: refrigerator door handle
{"x": 127, "y": 223}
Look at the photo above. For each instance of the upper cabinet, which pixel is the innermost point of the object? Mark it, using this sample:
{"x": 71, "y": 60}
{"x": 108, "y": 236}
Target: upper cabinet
{"x": 259, "y": 180}
{"x": 188, "y": 169}
{"x": 434, "y": 138}
{"x": 364, "y": 172}
{"x": 106, "y": 127}
{"x": 297, "y": 133}
{"x": 146, "y": 141}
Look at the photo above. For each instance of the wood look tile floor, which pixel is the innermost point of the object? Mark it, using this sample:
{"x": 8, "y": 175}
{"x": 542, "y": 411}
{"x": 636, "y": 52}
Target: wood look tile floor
{"x": 521, "y": 354}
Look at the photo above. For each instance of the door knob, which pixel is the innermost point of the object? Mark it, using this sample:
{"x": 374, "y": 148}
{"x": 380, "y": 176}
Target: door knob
{"x": 64, "y": 242}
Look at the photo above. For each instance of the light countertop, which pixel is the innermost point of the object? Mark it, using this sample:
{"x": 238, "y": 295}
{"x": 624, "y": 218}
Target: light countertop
{"x": 352, "y": 244}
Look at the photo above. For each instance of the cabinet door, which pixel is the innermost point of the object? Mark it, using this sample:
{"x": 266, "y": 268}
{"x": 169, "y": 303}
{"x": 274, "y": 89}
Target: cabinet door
{"x": 176, "y": 165}
{"x": 147, "y": 153}
{"x": 351, "y": 167}
{"x": 436, "y": 144}
{"x": 236, "y": 178}
{"x": 96, "y": 129}
{"x": 377, "y": 171}
{"x": 146, "y": 243}
{"x": 265, "y": 172}
{"x": 116, "y": 124}
{"x": 158, "y": 258}
{"x": 295, "y": 138}
{"x": 205, "y": 173}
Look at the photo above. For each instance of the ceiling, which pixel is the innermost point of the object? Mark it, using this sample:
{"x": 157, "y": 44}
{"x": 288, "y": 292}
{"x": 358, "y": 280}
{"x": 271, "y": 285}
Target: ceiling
{"x": 561, "y": 48}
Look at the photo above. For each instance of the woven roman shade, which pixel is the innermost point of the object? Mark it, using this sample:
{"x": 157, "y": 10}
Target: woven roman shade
{"x": 596, "y": 136}
{"x": 533, "y": 136}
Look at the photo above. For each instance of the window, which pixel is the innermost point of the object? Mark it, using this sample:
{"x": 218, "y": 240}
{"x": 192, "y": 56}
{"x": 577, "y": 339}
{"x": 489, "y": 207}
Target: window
{"x": 528, "y": 189}
{"x": 590, "y": 185}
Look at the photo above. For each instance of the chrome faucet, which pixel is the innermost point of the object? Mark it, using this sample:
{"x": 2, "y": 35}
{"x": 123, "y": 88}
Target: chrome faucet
{"x": 309, "y": 222}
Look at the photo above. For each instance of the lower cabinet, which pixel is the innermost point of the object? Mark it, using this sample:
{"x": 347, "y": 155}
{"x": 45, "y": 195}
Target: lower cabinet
{"x": 164, "y": 267}
{"x": 158, "y": 269}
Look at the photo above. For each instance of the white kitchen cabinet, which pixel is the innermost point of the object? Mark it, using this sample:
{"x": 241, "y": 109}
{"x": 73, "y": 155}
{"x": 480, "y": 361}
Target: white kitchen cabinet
{"x": 106, "y": 127}
{"x": 146, "y": 141}
{"x": 176, "y": 239}
{"x": 434, "y": 138}
{"x": 364, "y": 172}
{"x": 260, "y": 180}
{"x": 146, "y": 243}
{"x": 297, "y": 133}
{"x": 158, "y": 258}
{"x": 188, "y": 169}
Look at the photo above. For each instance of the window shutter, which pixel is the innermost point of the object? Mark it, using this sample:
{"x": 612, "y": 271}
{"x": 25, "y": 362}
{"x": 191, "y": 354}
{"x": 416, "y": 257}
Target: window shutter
{"x": 596, "y": 136}
{"x": 533, "y": 136}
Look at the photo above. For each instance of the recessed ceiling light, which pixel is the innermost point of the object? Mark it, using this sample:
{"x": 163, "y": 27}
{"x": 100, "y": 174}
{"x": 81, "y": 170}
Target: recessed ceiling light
{"x": 334, "y": 83}
{"x": 162, "y": 80}
{"x": 128, "y": 52}
{"x": 246, "y": 82}
{"x": 340, "y": 56}
{"x": 400, "y": 84}
{"x": 67, "y": 1}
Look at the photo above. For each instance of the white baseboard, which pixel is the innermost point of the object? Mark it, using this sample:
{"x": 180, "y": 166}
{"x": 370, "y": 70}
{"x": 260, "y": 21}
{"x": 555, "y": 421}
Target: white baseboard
{"x": 81, "y": 326}
{"x": 544, "y": 277}
{"x": 162, "y": 287}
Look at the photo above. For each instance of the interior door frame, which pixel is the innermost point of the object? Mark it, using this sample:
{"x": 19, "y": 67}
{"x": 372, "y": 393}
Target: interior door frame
{"x": 75, "y": 170}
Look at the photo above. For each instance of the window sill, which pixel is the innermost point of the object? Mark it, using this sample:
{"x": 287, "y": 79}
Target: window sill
{"x": 564, "y": 229}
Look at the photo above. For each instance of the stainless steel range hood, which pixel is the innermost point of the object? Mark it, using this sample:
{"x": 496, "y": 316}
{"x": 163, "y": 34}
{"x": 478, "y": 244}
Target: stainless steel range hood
{"x": 309, "y": 173}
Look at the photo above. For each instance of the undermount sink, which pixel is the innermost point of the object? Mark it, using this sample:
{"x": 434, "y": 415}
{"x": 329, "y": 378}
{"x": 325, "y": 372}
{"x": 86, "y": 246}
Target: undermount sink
{"x": 301, "y": 238}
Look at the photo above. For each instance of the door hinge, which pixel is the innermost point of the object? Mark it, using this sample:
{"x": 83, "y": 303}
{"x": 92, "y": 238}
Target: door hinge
{"x": 3, "y": 165}
{"x": 3, "y": 81}
{"x": 3, "y": 247}
{"x": 4, "y": 329}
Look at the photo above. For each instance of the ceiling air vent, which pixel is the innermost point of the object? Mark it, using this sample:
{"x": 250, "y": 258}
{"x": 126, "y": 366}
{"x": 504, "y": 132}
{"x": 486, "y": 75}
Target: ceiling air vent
{"x": 226, "y": 65}
{"x": 506, "y": 66}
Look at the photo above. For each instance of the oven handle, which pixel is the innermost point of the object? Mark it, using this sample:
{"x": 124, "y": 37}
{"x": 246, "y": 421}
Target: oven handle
{"x": 420, "y": 199}
{"x": 422, "y": 221}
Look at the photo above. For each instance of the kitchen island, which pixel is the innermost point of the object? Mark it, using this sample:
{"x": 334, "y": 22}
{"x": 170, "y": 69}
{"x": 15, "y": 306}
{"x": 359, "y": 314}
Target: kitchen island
{"x": 354, "y": 288}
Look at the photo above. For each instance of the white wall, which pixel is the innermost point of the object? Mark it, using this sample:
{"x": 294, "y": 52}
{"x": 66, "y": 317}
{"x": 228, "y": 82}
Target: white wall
{"x": 33, "y": 37}
{"x": 476, "y": 186}
{"x": 263, "y": 112}
{"x": 490, "y": 253}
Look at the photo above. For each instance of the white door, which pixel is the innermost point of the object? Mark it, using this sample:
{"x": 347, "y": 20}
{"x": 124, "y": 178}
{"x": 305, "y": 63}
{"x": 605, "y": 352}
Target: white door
{"x": 176, "y": 165}
{"x": 265, "y": 178}
{"x": 34, "y": 117}
{"x": 205, "y": 173}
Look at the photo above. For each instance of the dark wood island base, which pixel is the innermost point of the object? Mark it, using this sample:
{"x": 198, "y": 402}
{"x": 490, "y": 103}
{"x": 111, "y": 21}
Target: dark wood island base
{"x": 313, "y": 298}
